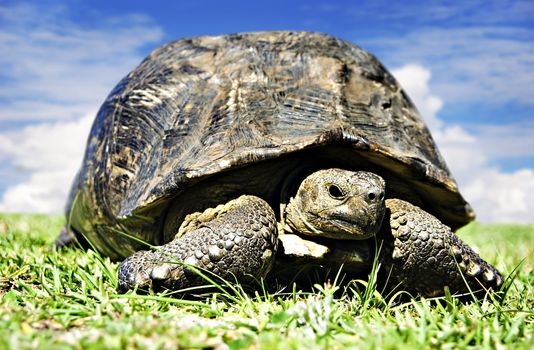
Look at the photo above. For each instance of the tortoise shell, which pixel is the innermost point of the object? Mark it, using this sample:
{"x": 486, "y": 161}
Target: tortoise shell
{"x": 198, "y": 109}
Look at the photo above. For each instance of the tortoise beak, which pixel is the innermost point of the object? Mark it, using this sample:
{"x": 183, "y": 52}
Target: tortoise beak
{"x": 354, "y": 219}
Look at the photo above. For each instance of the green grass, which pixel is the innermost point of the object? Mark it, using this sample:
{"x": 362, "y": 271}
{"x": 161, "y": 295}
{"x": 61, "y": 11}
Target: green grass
{"x": 68, "y": 300}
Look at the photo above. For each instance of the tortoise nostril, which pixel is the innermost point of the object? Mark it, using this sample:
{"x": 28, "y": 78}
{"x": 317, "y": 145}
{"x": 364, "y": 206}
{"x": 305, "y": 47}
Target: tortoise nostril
{"x": 371, "y": 196}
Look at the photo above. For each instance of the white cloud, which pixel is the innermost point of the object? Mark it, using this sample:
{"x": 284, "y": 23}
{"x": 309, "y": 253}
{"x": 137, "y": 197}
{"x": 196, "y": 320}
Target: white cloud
{"x": 476, "y": 63}
{"x": 44, "y": 192}
{"x": 55, "y": 69}
{"x": 503, "y": 197}
{"x": 56, "y": 73}
{"x": 508, "y": 140}
{"x": 47, "y": 146}
{"x": 51, "y": 153}
{"x": 496, "y": 196}
{"x": 415, "y": 79}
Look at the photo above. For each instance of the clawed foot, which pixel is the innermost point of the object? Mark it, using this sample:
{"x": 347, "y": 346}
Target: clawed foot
{"x": 427, "y": 256}
{"x": 473, "y": 267}
{"x": 155, "y": 269}
{"x": 239, "y": 243}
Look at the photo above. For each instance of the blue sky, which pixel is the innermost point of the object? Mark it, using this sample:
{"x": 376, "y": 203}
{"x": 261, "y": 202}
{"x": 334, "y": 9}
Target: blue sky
{"x": 467, "y": 65}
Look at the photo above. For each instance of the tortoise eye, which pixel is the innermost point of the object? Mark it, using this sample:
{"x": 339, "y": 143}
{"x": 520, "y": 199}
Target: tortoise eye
{"x": 335, "y": 192}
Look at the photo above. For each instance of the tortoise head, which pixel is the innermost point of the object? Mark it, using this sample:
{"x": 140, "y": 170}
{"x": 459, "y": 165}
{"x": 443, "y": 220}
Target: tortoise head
{"x": 339, "y": 204}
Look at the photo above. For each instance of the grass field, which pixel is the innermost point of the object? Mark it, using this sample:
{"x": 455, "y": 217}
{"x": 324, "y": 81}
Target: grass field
{"x": 68, "y": 300}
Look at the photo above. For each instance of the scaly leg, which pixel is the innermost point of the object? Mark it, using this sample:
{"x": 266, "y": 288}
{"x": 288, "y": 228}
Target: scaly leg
{"x": 240, "y": 240}
{"x": 425, "y": 256}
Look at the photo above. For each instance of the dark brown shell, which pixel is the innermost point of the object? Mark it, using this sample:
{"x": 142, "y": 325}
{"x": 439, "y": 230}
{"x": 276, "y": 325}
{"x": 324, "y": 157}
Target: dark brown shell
{"x": 202, "y": 106}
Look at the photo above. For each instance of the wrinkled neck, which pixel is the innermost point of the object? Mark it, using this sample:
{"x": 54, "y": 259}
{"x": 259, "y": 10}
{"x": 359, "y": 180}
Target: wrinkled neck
{"x": 296, "y": 220}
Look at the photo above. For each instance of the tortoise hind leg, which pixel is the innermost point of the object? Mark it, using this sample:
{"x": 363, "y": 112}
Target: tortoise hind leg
{"x": 425, "y": 256}
{"x": 68, "y": 237}
{"x": 234, "y": 240}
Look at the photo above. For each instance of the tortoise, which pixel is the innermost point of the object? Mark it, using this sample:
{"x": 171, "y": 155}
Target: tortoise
{"x": 269, "y": 154}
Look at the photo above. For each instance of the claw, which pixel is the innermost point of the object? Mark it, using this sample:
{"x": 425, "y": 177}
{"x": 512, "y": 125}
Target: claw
{"x": 457, "y": 252}
{"x": 397, "y": 253}
{"x": 499, "y": 281}
{"x": 473, "y": 269}
{"x": 160, "y": 272}
{"x": 488, "y": 276}
{"x": 141, "y": 279}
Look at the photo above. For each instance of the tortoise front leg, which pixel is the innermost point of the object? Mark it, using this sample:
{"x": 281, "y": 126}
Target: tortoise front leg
{"x": 425, "y": 256}
{"x": 237, "y": 239}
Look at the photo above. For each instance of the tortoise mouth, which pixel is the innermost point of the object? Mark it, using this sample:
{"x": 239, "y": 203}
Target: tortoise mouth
{"x": 355, "y": 225}
{"x": 350, "y": 231}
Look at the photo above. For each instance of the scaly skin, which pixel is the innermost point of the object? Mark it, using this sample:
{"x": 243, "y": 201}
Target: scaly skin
{"x": 239, "y": 239}
{"x": 425, "y": 256}
{"x": 239, "y": 242}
